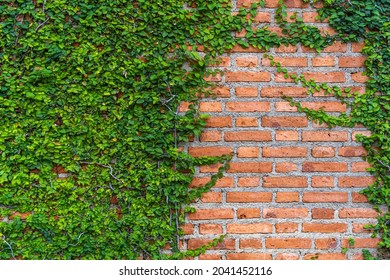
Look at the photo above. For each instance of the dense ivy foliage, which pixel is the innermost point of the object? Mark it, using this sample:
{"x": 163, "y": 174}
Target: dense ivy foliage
{"x": 89, "y": 124}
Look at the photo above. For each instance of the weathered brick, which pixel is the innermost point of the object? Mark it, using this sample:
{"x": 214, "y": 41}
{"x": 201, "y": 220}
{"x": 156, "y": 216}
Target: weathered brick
{"x": 211, "y": 197}
{"x": 248, "y": 152}
{"x": 249, "y": 228}
{"x": 322, "y": 213}
{"x": 284, "y": 182}
{"x": 219, "y": 122}
{"x": 248, "y": 256}
{"x": 284, "y": 122}
{"x": 248, "y": 106}
{"x": 285, "y": 167}
{"x": 317, "y": 197}
{"x": 287, "y": 61}
{"x": 210, "y": 229}
{"x": 246, "y": 92}
{"x": 247, "y": 122}
{"x": 324, "y": 167}
{"x": 248, "y": 182}
{"x": 248, "y": 136}
{"x": 288, "y": 243}
{"x": 354, "y": 182}
{"x": 211, "y": 136}
{"x": 247, "y": 77}
{"x": 221, "y": 183}
{"x": 283, "y": 91}
{"x": 209, "y": 151}
{"x": 245, "y": 197}
{"x": 226, "y": 244}
{"x": 322, "y": 182}
{"x": 326, "y": 243}
{"x": 282, "y": 197}
{"x": 248, "y": 213}
{"x": 325, "y": 256}
{"x": 357, "y": 213}
{"x": 280, "y": 213}
{"x": 324, "y": 136}
{"x": 247, "y": 61}
{"x": 361, "y": 243}
{"x": 287, "y": 135}
{"x": 287, "y": 256}
{"x": 286, "y": 227}
{"x": 359, "y": 198}
{"x": 351, "y": 61}
{"x": 327, "y": 77}
{"x": 212, "y": 214}
{"x": 322, "y": 61}
{"x": 324, "y": 228}
{"x": 352, "y": 151}
{"x": 284, "y": 152}
{"x": 323, "y": 152}
{"x": 250, "y": 243}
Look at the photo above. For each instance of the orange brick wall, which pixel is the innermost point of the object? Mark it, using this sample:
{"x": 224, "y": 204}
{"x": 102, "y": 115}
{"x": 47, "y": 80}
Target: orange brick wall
{"x": 292, "y": 188}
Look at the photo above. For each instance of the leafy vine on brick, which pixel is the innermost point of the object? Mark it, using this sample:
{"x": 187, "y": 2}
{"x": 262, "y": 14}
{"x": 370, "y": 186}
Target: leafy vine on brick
{"x": 89, "y": 118}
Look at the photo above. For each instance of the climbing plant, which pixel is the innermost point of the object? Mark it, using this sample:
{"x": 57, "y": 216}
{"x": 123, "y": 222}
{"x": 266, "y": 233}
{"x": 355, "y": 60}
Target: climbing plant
{"x": 90, "y": 123}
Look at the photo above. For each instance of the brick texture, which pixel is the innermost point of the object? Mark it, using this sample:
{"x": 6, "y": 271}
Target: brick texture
{"x": 292, "y": 188}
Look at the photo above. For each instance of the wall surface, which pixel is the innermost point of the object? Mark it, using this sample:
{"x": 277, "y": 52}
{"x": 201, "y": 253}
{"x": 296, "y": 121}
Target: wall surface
{"x": 292, "y": 188}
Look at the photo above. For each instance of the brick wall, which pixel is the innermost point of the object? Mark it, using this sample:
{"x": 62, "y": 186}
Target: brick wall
{"x": 292, "y": 188}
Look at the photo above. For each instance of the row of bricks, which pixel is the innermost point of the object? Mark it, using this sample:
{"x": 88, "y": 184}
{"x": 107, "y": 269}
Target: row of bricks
{"x": 266, "y": 136}
{"x": 259, "y": 76}
{"x": 278, "y": 152}
{"x": 327, "y": 61}
{"x": 275, "y": 3}
{"x": 228, "y": 213}
{"x": 281, "y": 256}
{"x": 285, "y": 243}
{"x": 291, "y": 213}
{"x": 281, "y": 227}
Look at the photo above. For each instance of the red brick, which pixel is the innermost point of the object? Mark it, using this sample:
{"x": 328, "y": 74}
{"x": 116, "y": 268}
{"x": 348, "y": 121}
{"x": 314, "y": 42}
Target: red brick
{"x": 286, "y": 227}
{"x": 351, "y": 61}
{"x": 322, "y": 152}
{"x": 284, "y": 182}
{"x": 327, "y": 256}
{"x": 209, "y": 257}
{"x": 284, "y": 152}
{"x": 322, "y": 182}
{"x": 213, "y": 78}
{"x": 211, "y": 136}
{"x": 322, "y": 61}
{"x": 326, "y": 243}
{"x": 321, "y": 77}
{"x": 359, "y": 198}
{"x": 311, "y": 17}
{"x": 248, "y": 135}
{"x": 222, "y": 182}
{"x": 262, "y": 17}
{"x": 326, "y": 106}
{"x": 359, "y": 77}
{"x": 355, "y": 182}
{"x": 287, "y": 197}
{"x": 283, "y": 91}
{"x": 246, "y": 92}
{"x": 210, "y": 229}
{"x": 226, "y": 244}
{"x": 248, "y": 213}
{"x": 239, "y": 49}
{"x": 187, "y": 228}
{"x": 324, "y": 136}
{"x": 210, "y": 106}
{"x": 249, "y": 228}
{"x": 246, "y": 197}
{"x": 211, "y": 214}
{"x": 286, "y": 49}
{"x": 248, "y": 106}
{"x": 282, "y": 213}
{"x": 219, "y": 122}
{"x": 248, "y": 61}
{"x": 222, "y": 92}
{"x": 248, "y": 182}
{"x": 324, "y": 167}
{"x": 209, "y": 151}
{"x": 287, "y": 135}
{"x": 322, "y": 213}
{"x": 336, "y": 47}
{"x": 246, "y": 122}
{"x": 360, "y": 166}
{"x": 360, "y": 228}
{"x": 284, "y": 78}
{"x": 211, "y": 197}
{"x": 248, "y": 256}
{"x": 284, "y": 122}
{"x": 357, "y": 213}
{"x": 357, "y": 47}
{"x": 352, "y": 151}
{"x": 250, "y": 244}
{"x": 318, "y": 197}
{"x": 247, "y": 77}
{"x": 222, "y": 61}
{"x": 361, "y": 243}
{"x": 287, "y": 256}
{"x": 285, "y": 167}
{"x": 288, "y": 243}
{"x": 324, "y": 228}
{"x": 248, "y": 152}
{"x": 356, "y": 133}
{"x": 287, "y": 61}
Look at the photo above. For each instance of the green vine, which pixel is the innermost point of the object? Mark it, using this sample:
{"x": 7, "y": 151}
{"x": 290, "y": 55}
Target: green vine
{"x": 89, "y": 119}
